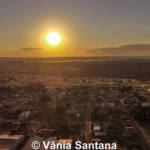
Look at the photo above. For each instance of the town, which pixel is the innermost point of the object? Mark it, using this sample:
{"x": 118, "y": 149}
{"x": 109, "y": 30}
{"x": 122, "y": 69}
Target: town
{"x": 89, "y": 109}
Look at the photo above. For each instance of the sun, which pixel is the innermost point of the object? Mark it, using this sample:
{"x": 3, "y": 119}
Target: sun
{"x": 53, "y": 38}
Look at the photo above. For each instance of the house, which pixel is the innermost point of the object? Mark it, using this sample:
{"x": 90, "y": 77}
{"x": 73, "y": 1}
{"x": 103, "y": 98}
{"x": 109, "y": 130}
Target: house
{"x": 46, "y": 132}
{"x": 24, "y": 115}
{"x": 96, "y": 128}
{"x": 100, "y": 134}
{"x": 95, "y": 140}
{"x": 65, "y": 141}
{"x": 109, "y": 105}
{"x": 7, "y": 141}
{"x": 97, "y": 131}
{"x": 145, "y": 104}
{"x": 130, "y": 131}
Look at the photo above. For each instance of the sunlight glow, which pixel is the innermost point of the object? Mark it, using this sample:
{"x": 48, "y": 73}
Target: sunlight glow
{"x": 53, "y": 38}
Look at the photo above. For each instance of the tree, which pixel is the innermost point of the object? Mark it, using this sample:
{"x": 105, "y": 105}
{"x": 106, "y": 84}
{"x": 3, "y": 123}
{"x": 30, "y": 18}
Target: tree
{"x": 114, "y": 129}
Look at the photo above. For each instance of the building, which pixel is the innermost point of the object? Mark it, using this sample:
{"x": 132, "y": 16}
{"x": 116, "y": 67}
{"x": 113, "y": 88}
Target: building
{"x": 7, "y": 141}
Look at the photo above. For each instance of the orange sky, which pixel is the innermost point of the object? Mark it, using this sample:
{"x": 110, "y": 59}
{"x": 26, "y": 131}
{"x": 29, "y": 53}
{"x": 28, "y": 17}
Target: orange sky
{"x": 88, "y": 28}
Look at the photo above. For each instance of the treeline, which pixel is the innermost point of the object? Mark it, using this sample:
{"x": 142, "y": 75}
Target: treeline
{"x": 112, "y": 69}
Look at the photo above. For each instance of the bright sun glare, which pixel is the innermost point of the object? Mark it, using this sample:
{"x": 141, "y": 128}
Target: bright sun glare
{"x": 53, "y": 38}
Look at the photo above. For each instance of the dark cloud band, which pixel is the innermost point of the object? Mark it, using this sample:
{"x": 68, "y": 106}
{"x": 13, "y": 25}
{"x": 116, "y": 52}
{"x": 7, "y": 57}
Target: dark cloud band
{"x": 31, "y": 49}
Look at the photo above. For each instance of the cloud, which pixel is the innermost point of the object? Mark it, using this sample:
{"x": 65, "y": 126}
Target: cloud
{"x": 123, "y": 49}
{"x": 131, "y": 47}
{"x": 31, "y": 49}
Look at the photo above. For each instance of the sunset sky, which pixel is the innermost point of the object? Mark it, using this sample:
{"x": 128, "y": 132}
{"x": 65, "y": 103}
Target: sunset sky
{"x": 87, "y": 27}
